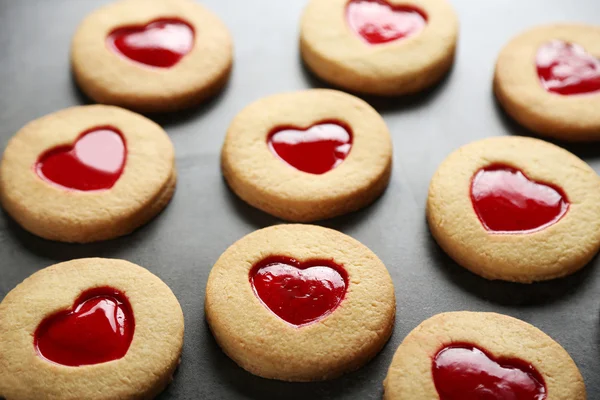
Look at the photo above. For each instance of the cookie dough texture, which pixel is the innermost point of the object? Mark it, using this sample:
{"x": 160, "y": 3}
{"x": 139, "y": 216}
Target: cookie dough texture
{"x": 410, "y": 374}
{"x": 553, "y": 252}
{"x": 142, "y": 373}
{"x": 264, "y": 181}
{"x": 339, "y": 55}
{"x": 265, "y": 345}
{"x": 109, "y": 78}
{"x": 521, "y": 94}
{"x": 143, "y": 190}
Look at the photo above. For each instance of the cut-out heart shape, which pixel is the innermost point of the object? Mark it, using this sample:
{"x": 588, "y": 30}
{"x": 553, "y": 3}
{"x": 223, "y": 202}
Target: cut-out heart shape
{"x": 315, "y": 150}
{"x": 94, "y": 162}
{"x": 299, "y": 292}
{"x": 567, "y": 69}
{"x": 161, "y": 43}
{"x": 377, "y": 22}
{"x": 98, "y": 329}
{"x": 506, "y": 200}
{"x": 464, "y": 372}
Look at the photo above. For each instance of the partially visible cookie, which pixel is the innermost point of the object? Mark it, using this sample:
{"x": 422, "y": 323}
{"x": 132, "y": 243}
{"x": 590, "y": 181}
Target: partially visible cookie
{"x": 516, "y": 209}
{"x": 379, "y": 47}
{"x": 152, "y": 55}
{"x": 474, "y": 356}
{"x": 548, "y": 80}
{"x": 308, "y": 155}
{"x": 87, "y": 173}
{"x": 300, "y": 303}
{"x": 94, "y": 329}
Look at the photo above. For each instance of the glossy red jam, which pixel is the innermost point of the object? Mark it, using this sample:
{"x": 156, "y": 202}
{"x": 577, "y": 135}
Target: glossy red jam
{"x": 377, "y": 22}
{"x": 161, "y": 43}
{"x": 464, "y": 372}
{"x": 567, "y": 69}
{"x": 98, "y": 329}
{"x": 94, "y": 162}
{"x": 506, "y": 200}
{"x": 299, "y": 292}
{"x": 315, "y": 150}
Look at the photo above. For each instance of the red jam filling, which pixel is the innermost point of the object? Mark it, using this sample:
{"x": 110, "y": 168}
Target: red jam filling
{"x": 161, "y": 43}
{"x": 98, "y": 329}
{"x": 464, "y": 372}
{"x": 299, "y": 292}
{"x": 94, "y": 162}
{"x": 315, "y": 150}
{"x": 506, "y": 200}
{"x": 567, "y": 69}
{"x": 377, "y": 22}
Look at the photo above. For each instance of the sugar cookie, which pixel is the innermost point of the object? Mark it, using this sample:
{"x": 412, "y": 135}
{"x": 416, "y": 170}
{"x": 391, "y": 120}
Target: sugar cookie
{"x": 548, "y": 80}
{"x": 151, "y": 55}
{"x": 89, "y": 329}
{"x": 516, "y": 209}
{"x": 300, "y": 303}
{"x": 379, "y": 47}
{"x": 474, "y": 356}
{"x": 87, "y": 173}
{"x": 308, "y": 155}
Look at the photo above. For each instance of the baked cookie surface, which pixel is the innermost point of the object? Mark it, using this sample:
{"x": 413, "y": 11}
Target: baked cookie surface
{"x": 87, "y": 173}
{"x": 308, "y": 155}
{"x": 548, "y": 80}
{"x": 516, "y": 209}
{"x": 379, "y": 47}
{"x": 300, "y": 303}
{"x": 471, "y": 356}
{"x": 89, "y": 329}
{"x": 152, "y": 55}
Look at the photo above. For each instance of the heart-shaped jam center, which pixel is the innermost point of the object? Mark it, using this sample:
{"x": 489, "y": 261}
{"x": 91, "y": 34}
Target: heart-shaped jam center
{"x": 161, "y": 43}
{"x": 464, "y": 372}
{"x": 94, "y": 162}
{"x": 377, "y": 22}
{"x": 98, "y": 329}
{"x": 315, "y": 150}
{"x": 567, "y": 69}
{"x": 506, "y": 200}
{"x": 299, "y": 292}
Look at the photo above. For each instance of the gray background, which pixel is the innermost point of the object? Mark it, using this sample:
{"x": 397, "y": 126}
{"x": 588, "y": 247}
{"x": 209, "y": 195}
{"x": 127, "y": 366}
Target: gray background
{"x": 204, "y": 217}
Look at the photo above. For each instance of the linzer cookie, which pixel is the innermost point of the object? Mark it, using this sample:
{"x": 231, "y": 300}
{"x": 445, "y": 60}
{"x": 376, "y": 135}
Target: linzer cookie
{"x": 515, "y": 208}
{"x": 151, "y": 55}
{"x": 548, "y": 80}
{"x": 89, "y": 329}
{"x": 475, "y": 356}
{"x": 308, "y": 155}
{"x": 380, "y": 47}
{"x": 87, "y": 173}
{"x": 300, "y": 303}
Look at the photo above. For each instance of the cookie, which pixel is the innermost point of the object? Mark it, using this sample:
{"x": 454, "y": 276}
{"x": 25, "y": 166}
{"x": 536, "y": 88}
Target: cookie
{"x": 474, "y": 356}
{"x": 308, "y": 155}
{"x": 87, "y": 173}
{"x": 89, "y": 329}
{"x": 300, "y": 303}
{"x": 517, "y": 209}
{"x": 379, "y": 47}
{"x": 548, "y": 80}
{"x": 151, "y": 55}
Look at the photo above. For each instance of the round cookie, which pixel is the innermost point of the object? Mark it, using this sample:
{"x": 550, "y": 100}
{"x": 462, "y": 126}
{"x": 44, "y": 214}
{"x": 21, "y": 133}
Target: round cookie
{"x": 152, "y": 55}
{"x": 87, "y": 173}
{"x": 90, "y": 329}
{"x": 300, "y": 303}
{"x": 516, "y": 209}
{"x": 308, "y": 155}
{"x": 548, "y": 80}
{"x": 474, "y": 355}
{"x": 379, "y": 47}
